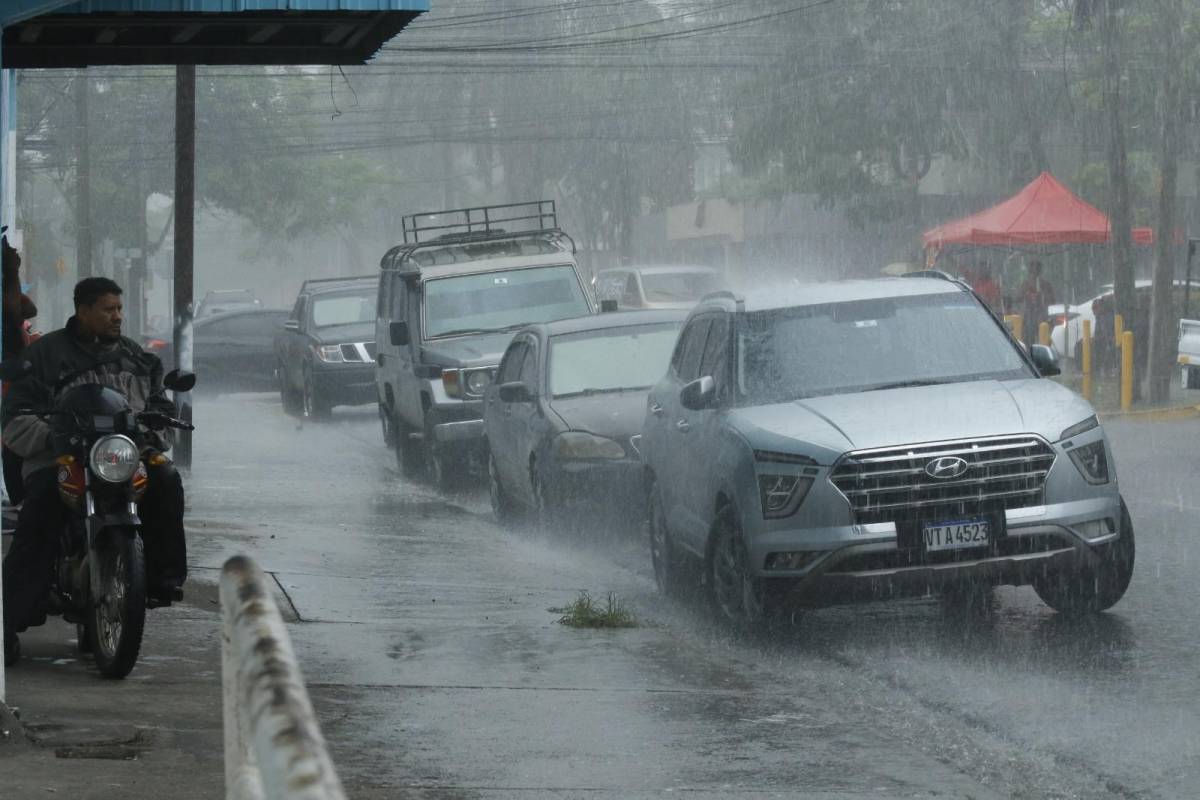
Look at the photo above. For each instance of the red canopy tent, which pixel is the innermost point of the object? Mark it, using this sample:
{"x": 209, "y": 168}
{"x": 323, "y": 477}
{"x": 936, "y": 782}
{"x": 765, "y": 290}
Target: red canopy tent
{"x": 1044, "y": 212}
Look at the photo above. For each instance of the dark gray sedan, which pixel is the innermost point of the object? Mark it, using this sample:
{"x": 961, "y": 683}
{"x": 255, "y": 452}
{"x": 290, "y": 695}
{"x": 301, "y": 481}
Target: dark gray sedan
{"x": 564, "y": 415}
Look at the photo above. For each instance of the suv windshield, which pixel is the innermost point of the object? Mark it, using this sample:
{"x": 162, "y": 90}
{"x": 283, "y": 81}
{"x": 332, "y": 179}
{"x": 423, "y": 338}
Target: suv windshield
{"x": 609, "y": 360}
{"x": 676, "y": 287}
{"x": 343, "y": 309}
{"x": 494, "y": 301}
{"x": 785, "y": 354}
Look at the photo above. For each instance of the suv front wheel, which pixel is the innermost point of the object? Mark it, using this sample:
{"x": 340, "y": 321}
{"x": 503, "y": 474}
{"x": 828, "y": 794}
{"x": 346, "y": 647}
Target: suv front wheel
{"x": 1093, "y": 589}
{"x": 738, "y": 596}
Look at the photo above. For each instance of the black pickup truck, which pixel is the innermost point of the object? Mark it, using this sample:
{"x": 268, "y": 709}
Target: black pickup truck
{"x": 325, "y": 353}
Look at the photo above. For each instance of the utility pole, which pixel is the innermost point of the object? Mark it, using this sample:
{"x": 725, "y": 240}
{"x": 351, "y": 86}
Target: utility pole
{"x": 83, "y": 169}
{"x": 185, "y": 220}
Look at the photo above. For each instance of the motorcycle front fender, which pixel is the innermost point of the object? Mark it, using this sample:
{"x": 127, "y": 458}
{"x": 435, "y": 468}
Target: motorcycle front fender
{"x": 105, "y": 530}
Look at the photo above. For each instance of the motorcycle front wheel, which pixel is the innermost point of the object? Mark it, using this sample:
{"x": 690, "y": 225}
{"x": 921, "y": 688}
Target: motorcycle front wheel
{"x": 118, "y": 615}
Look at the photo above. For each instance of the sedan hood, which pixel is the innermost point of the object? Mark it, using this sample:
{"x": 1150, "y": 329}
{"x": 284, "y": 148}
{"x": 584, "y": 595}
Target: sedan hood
{"x": 825, "y": 427}
{"x": 484, "y": 350}
{"x": 616, "y": 415}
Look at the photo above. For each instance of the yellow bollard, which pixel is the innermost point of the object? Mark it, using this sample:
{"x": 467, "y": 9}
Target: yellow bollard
{"x": 1126, "y": 370}
{"x": 1016, "y": 325}
{"x": 1086, "y": 366}
{"x": 1118, "y": 328}
{"x": 1044, "y": 334}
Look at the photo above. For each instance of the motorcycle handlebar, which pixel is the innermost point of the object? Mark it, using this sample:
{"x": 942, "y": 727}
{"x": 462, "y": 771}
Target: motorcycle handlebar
{"x": 153, "y": 419}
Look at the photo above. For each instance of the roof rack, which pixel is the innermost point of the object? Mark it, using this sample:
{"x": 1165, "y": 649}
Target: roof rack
{"x": 479, "y": 222}
{"x": 465, "y": 226}
{"x": 345, "y": 279}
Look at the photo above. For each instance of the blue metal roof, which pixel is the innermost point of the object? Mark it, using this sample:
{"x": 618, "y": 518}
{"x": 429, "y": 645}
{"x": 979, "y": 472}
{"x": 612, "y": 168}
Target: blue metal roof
{"x": 52, "y": 34}
{"x": 236, "y": 6}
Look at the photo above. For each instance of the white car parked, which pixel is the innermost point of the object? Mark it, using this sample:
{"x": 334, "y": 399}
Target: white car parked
{"x": 1067, "y": 332}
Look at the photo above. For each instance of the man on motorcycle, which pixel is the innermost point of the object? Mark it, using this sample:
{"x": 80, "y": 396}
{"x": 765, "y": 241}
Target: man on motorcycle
{"x": 90, "y": 349}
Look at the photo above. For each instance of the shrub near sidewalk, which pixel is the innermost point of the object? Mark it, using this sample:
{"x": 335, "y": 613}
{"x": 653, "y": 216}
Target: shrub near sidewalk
{"x": 585, "y": 612}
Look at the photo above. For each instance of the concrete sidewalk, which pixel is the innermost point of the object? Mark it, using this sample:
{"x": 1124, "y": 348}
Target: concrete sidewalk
{"x": 155, "y": 734}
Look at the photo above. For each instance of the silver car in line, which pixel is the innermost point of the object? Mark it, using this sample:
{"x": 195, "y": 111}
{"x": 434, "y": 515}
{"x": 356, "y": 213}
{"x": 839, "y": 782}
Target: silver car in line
{"x": 866, "y": 440}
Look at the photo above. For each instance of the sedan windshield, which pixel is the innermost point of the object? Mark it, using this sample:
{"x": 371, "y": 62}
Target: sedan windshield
{"x": 495, "y": 301}
{"x": 610, "y": 360}
{"x": 677, "y": 287}
{"x": 343, "y": 309}
{"x": 837, "y": 348}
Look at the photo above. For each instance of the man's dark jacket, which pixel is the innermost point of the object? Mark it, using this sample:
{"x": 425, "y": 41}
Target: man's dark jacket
{"x": 119, "y": 364}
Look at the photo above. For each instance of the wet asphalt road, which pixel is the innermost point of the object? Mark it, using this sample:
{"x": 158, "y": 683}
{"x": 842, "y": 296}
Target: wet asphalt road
{"x": 439, "y": 671}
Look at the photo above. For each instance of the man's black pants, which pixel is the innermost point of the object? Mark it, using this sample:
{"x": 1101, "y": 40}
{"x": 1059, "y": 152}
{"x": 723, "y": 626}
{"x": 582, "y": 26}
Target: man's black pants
{"x": 29, "y": 565}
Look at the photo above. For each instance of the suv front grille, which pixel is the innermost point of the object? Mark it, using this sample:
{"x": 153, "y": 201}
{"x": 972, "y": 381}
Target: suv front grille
{"x": 892, "y": 484}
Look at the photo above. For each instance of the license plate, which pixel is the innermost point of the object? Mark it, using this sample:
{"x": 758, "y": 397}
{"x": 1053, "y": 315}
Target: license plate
{"x": 958, "y": 535}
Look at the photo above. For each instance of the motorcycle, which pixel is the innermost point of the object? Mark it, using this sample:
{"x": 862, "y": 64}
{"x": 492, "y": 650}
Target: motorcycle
{"x": 99, "y": 579}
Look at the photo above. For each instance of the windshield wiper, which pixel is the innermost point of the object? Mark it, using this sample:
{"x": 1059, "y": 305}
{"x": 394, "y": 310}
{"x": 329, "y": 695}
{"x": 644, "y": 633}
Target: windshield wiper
{"x": 465, "y": 331}
{"x": 905, "y": 384}
{"x": 593, "y": 391}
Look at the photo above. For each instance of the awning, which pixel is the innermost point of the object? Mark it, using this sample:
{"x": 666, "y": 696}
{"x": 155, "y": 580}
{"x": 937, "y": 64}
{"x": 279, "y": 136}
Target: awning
{"x": 1043, "y": 213}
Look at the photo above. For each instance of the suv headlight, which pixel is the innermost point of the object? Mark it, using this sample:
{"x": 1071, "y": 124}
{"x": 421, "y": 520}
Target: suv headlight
{"x": 579, "y": 445}
{"x": 1091, "y": 462}
{"x": 781, "y": 495}
{"x": 476, "y": 381}
{"x": 330, "y": 353}
{"x": 114, "y": 458}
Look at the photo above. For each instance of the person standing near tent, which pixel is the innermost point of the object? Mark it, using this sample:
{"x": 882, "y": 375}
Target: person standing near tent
{"x": 1034, "y": 298}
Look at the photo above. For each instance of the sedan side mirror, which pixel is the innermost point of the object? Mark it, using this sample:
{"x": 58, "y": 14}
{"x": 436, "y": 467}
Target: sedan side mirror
{"x": 1046, "y": 360}
{"x": 179, "y": 381}
{"x": 291, "y": 325}
{"x": 699, "y": 394}
{"x": 398, "y": 333}
{"x": 515, "y": 392}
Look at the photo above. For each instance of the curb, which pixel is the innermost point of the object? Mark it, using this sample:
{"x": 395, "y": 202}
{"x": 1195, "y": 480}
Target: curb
{"x": 1169, "y": 414}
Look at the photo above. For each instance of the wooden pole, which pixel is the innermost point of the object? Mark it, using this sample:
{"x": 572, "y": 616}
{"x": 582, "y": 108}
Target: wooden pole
{"x": 1127, "y": 370}
{"x": 185, "y": 221}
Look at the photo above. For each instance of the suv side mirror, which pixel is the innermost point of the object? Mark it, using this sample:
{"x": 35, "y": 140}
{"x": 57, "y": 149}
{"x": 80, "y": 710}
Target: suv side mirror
{"x": 179, "y": 381}
{"x": 515, "y": 392}
{"x": 699, "y": 394}
{"x": 291, "y": 325}
{"x": 1045, "y": 360}
{"x": 398, "y": 333}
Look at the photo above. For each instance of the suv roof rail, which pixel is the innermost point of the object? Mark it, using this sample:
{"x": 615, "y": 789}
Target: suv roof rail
{"x": 930, "y": 273}
{"x": 344, "y": 279}
{"x": 479, "y": 222}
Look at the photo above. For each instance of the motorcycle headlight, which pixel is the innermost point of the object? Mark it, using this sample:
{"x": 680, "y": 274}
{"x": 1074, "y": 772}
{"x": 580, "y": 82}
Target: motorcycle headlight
{"x": 1091, "y": 462}
{"x": 114, "y": 459}
{"x": 577, "y": 445}
{"x": 781, "y": 495}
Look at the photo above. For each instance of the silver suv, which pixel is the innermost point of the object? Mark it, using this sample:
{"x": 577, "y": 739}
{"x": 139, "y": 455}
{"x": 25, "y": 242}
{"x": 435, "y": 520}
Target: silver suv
{"x": 875, "y": 439}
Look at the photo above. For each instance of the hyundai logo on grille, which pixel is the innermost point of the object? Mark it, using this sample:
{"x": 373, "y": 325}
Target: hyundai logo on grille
{"x": 946, "y": 467}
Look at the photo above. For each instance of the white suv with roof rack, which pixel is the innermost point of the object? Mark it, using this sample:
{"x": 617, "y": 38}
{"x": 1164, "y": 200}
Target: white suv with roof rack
{"x": 449, "y": 301}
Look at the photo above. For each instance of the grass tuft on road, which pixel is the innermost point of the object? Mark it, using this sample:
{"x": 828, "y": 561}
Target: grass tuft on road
{"x": 586, "y": 612}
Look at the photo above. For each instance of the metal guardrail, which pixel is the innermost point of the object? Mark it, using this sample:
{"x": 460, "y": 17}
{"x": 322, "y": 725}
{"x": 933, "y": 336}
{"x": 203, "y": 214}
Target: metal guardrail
{"x": 273, "y": 744}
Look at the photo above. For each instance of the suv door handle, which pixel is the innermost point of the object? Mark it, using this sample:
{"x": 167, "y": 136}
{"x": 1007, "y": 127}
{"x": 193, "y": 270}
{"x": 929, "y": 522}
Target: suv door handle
{"x": 656, "y": 410}
{"x": 683, "y": 426}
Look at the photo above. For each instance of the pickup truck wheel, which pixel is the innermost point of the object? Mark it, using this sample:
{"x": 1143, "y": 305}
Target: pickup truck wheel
{"x": 288, "y": 397}
{"x": 314, "y": 404}
{"x": 389, "y": 430}
{"x": 740, "y": 598}
{"x": 1095, "y": 588}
